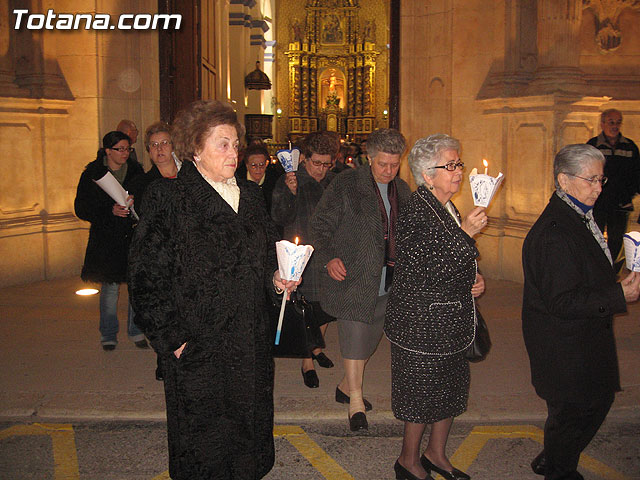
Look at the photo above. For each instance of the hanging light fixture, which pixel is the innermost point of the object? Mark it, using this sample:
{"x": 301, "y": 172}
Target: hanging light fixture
{"x": 257, "y": 80}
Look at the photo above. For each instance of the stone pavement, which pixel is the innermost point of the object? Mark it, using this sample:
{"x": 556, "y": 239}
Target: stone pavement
{"x": 54, "y": 369}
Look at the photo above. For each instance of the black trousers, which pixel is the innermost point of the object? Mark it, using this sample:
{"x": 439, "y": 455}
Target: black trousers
{"x": 569, "y": 428}
{"x": 615, "y": 221}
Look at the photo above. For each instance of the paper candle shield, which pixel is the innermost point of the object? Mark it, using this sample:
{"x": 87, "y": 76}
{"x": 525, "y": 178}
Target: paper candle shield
{"x": 483, "y": 187}
{"x": 292, "y": 259}
{"x": 632, "y": 250}
{"x": 289, "y": 159}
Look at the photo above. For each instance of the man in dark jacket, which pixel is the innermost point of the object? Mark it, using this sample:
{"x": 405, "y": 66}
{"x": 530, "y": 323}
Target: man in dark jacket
{"x": 622, "y": 168}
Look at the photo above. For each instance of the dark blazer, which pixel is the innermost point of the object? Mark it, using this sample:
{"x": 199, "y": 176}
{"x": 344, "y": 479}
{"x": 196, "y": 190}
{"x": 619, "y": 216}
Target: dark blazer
{"x": 347, "y": 224}
{"x": 105, "y": 259}
{"x": 198, "y": 274}
{"x": 430, "y": 308}
{"x": 271, "y": 176}
{"x": 570, "y": 297}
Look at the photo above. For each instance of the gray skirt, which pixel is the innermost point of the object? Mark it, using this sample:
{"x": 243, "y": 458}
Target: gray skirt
{"x": 358, "y": 340}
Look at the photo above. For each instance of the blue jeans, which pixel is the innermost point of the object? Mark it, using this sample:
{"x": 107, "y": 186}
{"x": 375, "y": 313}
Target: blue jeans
{"x": 109, "y": 325}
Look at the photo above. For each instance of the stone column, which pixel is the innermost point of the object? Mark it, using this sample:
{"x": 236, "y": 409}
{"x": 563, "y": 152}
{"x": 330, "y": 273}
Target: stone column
{"x": 559, "y": 46}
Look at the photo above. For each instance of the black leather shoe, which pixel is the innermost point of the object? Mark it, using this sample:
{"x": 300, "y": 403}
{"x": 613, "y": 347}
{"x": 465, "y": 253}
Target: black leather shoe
{"x": 142, "y": 343}
{"x": 454, "y": 474}
{"x": 404, "y": 474}
{"x": 323, "y": 360}
{"x": 310, "y": 378}
{"x": 342, "y": 397}
{"x": 539, "y": 464}
{"x": 358, "y": 421}
{"x": 108, "y": 347}
{"x": 159, "y": 374}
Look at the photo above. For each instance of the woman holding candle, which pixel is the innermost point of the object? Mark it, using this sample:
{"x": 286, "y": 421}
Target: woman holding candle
{"x": 353, "y": 231}
{"x": 570, "y": 298}
{"x": 430, "y": 314}
{"x": 294, "y": 200}
{"x": 201, "y": 260}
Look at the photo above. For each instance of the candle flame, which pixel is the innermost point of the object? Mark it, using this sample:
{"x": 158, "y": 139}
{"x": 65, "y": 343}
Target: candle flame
{"x": 297, "y": 240}
{"x": 485, "y": 163}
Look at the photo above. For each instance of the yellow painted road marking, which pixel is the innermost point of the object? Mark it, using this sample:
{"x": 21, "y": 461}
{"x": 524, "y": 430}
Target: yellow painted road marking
{"x": 63, "y": 440}
{"x": 310, "y": 450}
{"x": 470, "y": 448}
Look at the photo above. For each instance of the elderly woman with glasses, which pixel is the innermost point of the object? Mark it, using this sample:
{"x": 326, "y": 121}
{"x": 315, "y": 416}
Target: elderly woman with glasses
{"x": 202, "y": 261}
{"x": 257, "y": 168}
{"x": 294, "y": 201}
{"x": 105, "y": 259}
{"x": 570, "y": 297}
{"x": 430, "y": 315}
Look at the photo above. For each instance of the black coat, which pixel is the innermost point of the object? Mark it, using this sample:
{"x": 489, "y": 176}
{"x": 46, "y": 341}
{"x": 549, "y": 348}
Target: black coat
{"x": 570, "y": 297}
{"x": 430, "y": 307}
{"x": 139, "y": 185}
{"x": 105, "y": 260}
{"x": 198, "y": 273}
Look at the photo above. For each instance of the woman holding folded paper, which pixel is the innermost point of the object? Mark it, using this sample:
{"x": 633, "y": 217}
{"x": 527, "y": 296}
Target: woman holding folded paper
{"x": 105, "y": 259}
{"x": 430, "y": 314}
{"x": 202, "y": 260}
{"x": 570, "y": 297}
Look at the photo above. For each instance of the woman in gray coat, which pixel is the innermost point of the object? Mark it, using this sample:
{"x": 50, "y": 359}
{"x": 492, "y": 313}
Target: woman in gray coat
{"x": 353, "y": 232}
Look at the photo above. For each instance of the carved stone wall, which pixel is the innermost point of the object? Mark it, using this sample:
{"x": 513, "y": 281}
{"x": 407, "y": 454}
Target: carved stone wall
{"x": 517, "y": 81}
{"x": 61, "y": 92}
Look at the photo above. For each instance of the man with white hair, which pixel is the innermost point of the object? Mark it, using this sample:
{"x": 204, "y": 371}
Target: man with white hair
{"x": 129, "y": 128}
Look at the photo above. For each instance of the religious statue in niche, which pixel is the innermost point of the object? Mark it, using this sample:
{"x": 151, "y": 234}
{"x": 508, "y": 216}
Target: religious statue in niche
{"x": 332, "y": 30}
{"x": 332, "y": 89}
{"x": 369, "y": 31}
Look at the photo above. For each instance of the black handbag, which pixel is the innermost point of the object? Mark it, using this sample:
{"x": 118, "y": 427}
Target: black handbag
{"x": 479, "y": 348}
{"x": 300, "y": 333}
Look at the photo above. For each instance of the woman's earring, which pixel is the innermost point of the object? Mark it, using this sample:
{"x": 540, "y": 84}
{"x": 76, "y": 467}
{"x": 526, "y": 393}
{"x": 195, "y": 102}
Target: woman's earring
{"x": 196, "y": 158}
{"x": 430, "y": 187}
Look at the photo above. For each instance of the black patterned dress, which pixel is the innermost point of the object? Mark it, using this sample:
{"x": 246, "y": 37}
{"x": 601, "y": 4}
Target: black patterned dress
{"x": 430, "y": 315}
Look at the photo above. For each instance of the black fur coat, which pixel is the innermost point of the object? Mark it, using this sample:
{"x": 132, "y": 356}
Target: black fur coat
{"x": 198, "y": 273}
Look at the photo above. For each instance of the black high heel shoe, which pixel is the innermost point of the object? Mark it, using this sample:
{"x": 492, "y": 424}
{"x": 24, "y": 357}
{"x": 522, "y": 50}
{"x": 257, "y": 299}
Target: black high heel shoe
{"x": 358, "y": 421}
{"x": 454, "y": 474}
{"x": 404, "y": 474}
{"x": 310, "y": 378}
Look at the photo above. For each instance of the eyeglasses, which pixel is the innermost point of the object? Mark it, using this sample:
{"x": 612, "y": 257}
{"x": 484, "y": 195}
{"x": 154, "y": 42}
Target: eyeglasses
{"x": 613, "y": 123}
{"x": 318, "y": 163}
{"x": 161, "y": 144}
{"x": 122, "y": 149}
{"x": 451, "y": 167}
{"x": 593, "y": 180}
{"x": 257, "y": 165}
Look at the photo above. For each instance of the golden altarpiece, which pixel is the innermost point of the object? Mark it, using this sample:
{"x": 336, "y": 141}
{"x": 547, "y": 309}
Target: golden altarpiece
{"x": 332, "y": 56}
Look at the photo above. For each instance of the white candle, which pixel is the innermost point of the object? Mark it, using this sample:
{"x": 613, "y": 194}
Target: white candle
{"x": 486, "y": 166}
{"x": 289, "y": 144}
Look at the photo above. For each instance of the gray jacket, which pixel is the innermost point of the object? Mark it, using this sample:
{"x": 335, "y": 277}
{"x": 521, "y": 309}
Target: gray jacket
{"x": 347, "y": 224}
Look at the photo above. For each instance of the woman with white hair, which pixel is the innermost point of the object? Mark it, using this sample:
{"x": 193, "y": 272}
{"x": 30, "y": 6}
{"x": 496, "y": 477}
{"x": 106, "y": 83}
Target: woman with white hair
{"x": 430, "y": 314}
{"x": 570, "y": 297}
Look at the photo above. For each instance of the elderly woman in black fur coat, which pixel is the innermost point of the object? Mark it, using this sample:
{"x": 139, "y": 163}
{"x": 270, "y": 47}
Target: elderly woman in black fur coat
{"x": 430, "y": 314}
{"x": 201, "y": 262}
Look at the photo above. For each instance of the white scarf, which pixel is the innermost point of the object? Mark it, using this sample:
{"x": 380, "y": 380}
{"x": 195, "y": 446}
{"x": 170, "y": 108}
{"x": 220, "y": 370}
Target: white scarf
{"x": 228, "y": 190}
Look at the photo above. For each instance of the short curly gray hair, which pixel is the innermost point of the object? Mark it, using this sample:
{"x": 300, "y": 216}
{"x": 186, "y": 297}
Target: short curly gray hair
{"x": 426, "y": 152}
{"x": 387, "y": 140}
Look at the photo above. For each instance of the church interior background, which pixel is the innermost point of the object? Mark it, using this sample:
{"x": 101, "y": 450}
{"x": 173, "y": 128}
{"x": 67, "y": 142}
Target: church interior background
{"x": 514, "y": 80}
